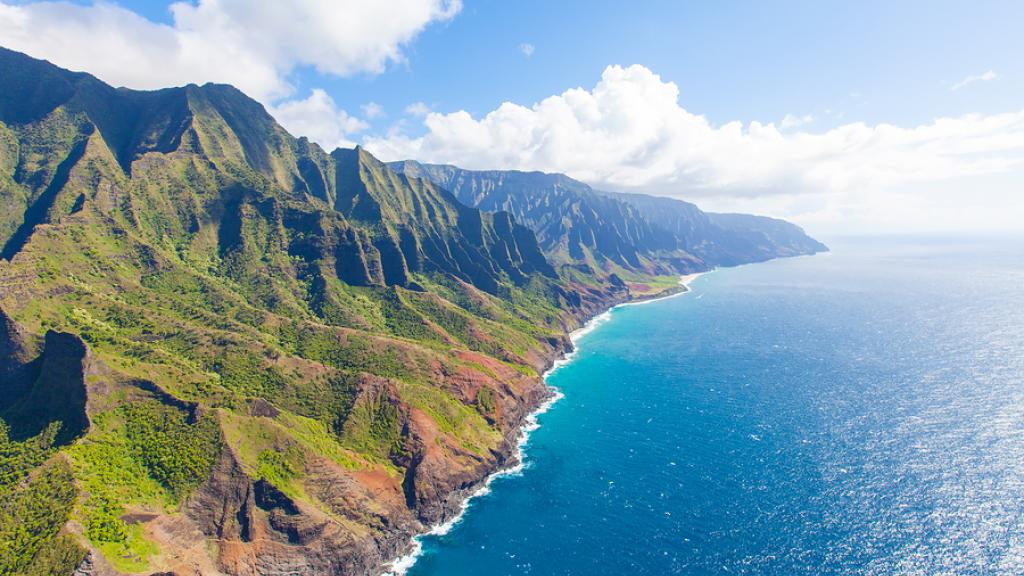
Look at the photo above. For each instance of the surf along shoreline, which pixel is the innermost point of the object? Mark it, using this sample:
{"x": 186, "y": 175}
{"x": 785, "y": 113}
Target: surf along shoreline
{"x": 516, "y": 463}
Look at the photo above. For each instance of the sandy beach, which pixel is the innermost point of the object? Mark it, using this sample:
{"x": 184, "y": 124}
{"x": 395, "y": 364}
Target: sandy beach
{"x": 687, "y": 278}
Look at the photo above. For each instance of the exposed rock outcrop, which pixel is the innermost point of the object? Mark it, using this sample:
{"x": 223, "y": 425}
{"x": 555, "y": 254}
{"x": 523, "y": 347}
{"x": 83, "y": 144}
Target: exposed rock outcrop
{"x": 18, "y": 369}
{"x": 58, "y": 393}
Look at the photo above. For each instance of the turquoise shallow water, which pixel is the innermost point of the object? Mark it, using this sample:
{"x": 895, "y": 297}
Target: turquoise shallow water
{"x": 860, "y": 412}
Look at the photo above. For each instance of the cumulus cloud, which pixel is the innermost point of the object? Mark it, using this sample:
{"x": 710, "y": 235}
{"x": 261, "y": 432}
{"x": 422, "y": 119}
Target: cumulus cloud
{"x": 790, "y": 121}
{"x": 967, "y": 81}
{"x": 417, "y": 109}
{"x": 253, "y": 44}
{"x": 319, "y": 118}
{"x": 629, "y": 132}
{"x": 372, "y": 110}
{"x": 527, "y": 49}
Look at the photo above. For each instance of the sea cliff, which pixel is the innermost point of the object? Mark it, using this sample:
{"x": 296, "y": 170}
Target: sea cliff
{"x": 229, "y": 351}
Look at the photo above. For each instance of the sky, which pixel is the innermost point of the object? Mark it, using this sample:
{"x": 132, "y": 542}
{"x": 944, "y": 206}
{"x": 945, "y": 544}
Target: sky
{"x": 844, "y": 117}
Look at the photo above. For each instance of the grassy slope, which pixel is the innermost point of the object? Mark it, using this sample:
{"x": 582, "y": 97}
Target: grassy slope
{"x": 183, "y": 270}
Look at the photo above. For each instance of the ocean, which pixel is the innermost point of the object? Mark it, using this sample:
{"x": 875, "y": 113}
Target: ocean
{"x": 856, "y": 412}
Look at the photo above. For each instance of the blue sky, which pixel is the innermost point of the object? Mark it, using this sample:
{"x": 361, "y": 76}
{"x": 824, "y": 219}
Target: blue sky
{"x": 840, "y": 115}
{"x": 872, "y": 61}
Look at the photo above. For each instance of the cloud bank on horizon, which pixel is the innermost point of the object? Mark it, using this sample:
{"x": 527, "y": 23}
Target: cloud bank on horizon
{"x": 628, "y": 132}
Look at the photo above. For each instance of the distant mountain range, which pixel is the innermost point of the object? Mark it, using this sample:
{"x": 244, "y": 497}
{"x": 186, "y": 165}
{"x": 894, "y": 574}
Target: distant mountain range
{"x": 224, "y": 350}
{"x": 576, "y": 224}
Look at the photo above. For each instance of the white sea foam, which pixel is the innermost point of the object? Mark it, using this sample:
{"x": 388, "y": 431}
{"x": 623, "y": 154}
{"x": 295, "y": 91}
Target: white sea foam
{"x": 401, "y": 565}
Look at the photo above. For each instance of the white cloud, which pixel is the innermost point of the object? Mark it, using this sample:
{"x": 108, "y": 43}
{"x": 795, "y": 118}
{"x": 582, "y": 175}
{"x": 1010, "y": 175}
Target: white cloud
{"x": 630, "y": 133}
{"x": 983, "y": 77}
{"x": 791, "y": 121}
{"x": 372, "y": 110}
{"x": 319, "y": 118}
{"x": 253, "y": 44}
{"x": 417, "y": 109}
{"x": 527, "y": 49}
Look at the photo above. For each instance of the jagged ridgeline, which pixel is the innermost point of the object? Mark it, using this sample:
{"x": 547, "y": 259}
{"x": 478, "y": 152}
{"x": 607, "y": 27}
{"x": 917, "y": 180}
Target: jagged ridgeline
{"x": 622, "y": 233}
{"x": 225, "y": 350}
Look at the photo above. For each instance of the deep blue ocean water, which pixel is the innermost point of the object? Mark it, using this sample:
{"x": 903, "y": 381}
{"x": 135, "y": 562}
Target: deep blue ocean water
{"x": 859, "y": 412}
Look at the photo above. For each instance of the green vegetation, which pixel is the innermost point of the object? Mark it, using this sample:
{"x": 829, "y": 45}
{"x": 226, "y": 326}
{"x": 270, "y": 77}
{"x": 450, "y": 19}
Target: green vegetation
{"x": 18, "y": 458}
{"x": 111, "y": 472}
{"x": 36, "y": 498}
{"x": 104, "y": 524}
{"x": 486, "y": 401}
{"x": 588, "y": 232}
{"x": 32, "y": 515}
{"x": 144, "y": 454}
{"x": 179, "y": 454}
{"x": 316, "y": 438}
{"x": 248, "y": 374}
{"x": 238, "y": 289}
{"x": 462, "y": 422}
{"x": 373, "y": 427}
{"x": 280, "y": 467}
{"x": 132, "y": 554}
{"x": 59, "y": 556}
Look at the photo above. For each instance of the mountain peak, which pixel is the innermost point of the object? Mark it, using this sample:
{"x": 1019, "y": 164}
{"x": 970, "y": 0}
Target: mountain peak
{"x": 397, "y": 225}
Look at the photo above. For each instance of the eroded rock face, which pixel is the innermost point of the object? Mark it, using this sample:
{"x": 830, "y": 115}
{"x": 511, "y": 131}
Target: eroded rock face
{"x": 363, "y": 518}
{"x": 58, "y": 392}
{"x": 17, "y": 369}
{"x": 359, "y": 519}
{"x": 354, "y": 521}
{"x": 223, "y": 507}
{"x": 260, "y": 530}
{"x": 86, "y": 568}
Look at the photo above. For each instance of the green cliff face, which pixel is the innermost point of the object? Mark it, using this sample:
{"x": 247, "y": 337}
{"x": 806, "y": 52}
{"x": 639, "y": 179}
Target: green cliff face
{"x": 575, "y": 225}
{"x": 723, "y": 239}
{"x": 578, "y": 225}
{"x": 213, "y": 331}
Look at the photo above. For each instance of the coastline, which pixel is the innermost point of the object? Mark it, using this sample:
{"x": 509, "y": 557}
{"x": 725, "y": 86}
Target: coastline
{"x": 683, "y": 287}
{"x": 516, "y": 463}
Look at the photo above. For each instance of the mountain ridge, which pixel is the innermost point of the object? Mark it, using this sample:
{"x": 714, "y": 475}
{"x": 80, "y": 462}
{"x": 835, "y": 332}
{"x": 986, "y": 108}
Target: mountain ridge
{"x": 228, "y": 351}
{"x": 758, "y": 238}
{"x": 302, "y": 356}
{"x": 636, "y": 231}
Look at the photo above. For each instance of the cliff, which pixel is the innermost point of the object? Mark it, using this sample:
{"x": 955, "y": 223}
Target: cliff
{"x": 223, "y": 334}
{"x": 578, "y": 225}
